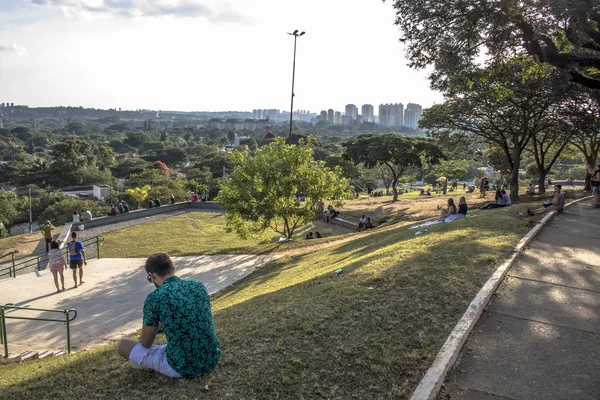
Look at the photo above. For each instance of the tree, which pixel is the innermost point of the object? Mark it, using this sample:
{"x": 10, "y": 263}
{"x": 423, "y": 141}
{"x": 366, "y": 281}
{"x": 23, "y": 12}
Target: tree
{"x": 263, "y": 188}
{"x": 452, "y": 170}
{"x": 584, "y": 120}
{"x": 139, "y": 194}
{"x": 547, "y": 147}
{"x": 507, "y": 105}
{"x": 397, "y": 153}
{"x": 130, "y": 166}
{"x": 451, "y": 36}
{"x": 10, "y": 206}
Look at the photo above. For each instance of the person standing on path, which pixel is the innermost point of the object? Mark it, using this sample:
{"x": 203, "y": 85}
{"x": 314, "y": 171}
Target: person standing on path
{"x": 48, "y": 231}
{"x": 57, "y": 264}
{"x": 595, "y": 181}
{"x": 183, "y": 308}
{"x": 77, "y": 257}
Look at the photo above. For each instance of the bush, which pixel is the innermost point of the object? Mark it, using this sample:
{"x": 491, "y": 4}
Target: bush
{"x": 62, "y": 208}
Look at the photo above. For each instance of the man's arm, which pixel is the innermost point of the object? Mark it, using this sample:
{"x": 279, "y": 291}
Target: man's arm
{"x": 147, "y": 336}
{"x": 84, "y": 256}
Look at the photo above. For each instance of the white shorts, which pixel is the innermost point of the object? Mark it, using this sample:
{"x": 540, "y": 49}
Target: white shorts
{"x": 153, "y": 358}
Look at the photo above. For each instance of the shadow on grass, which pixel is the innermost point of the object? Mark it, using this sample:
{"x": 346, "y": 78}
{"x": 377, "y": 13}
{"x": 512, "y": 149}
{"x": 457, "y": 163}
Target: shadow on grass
{"x": 294, "y": 330}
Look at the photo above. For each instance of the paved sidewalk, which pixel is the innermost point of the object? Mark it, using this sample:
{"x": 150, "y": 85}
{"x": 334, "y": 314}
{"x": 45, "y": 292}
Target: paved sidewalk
{"x": 109, "y": 303}
{"x": 539, "y": 337}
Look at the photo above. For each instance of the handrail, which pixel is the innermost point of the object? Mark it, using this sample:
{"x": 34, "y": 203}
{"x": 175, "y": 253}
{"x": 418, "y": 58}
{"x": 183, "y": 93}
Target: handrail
{"x": 38, "y": 260}
{"x": 3, "y": 317}
{"x": 12, "y": 253}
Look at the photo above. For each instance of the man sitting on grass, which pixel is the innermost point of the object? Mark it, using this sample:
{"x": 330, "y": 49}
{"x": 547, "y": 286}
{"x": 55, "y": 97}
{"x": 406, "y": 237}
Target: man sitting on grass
{"x": 558, "y": 203}
{"x": 183, "y": 309}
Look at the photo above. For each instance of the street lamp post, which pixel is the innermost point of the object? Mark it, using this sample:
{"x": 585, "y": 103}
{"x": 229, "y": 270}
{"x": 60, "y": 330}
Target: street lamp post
{"x": 295, "y": 34}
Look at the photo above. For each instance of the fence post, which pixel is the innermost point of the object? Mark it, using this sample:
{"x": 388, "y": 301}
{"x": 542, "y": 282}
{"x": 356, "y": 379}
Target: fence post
{"x": 14, "y": 273}
{"x": 98, "y": 246}
{"x": 38, "y": 263}
{"x": 3, "y": 329}
{"x": 68, "y": 332}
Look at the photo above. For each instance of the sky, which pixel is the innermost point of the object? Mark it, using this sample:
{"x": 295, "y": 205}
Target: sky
{"x": 204, "y": 55}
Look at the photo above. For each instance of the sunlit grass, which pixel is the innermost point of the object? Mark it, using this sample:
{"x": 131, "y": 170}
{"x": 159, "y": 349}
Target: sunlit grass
{"x": 293, "y": 329}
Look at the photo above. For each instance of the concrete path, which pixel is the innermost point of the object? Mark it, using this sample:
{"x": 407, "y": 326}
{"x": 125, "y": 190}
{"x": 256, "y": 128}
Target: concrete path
{"x": 109, "y": 303}
{"x": 540, "y": 336}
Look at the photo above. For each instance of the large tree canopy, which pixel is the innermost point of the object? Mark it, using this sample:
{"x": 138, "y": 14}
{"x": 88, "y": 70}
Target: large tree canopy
{"x": 452, "y": 35}
{"x": 396, "y": 153}
{"x": 507, "y": 106}
{"x": 263, "y": 188}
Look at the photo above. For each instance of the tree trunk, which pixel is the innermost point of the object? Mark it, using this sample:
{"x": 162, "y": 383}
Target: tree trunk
{"x": 514, "y": 179}
{"x": 395, "y": 190}
{"x": 588, "y": 181}
{"x": 445, "y": 187}
{"x": 542, "y": 180}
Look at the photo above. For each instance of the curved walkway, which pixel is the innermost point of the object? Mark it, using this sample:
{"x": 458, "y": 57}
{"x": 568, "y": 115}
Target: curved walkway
{"x": 109, "y": 303}
{"x": 539, "y": 338}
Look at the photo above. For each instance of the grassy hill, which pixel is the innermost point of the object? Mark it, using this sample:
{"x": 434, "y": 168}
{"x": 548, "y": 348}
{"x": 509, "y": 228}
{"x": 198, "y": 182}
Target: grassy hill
{"x": 293, "y": 329}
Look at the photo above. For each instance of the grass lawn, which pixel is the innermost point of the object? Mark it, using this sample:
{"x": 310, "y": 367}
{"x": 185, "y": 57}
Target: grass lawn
{"x": 198, "y": 233}
{"x": 295, "y": 330}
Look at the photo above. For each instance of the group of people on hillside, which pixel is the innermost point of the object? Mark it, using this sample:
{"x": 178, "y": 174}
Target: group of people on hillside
{"x": 194, "y": 197}
{"x": 502, "y": 200}
{"x": 317, "y": 235}
{"x": 119, "y": 208}
{"x": 325, "y": 214}
{"x": 364, "y": 223}
{"x": 450, "y": 212}
{"x": 85, "y": 215}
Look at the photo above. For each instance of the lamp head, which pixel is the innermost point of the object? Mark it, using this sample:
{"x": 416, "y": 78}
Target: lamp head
{"x": 302, "y": 33}
{"x": 295, "y": 32}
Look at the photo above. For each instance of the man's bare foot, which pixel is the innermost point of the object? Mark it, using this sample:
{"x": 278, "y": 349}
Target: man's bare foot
{"x": 81, "y": 283}
{"x": 64, "y": 288}
{"x": 75, "y": 287}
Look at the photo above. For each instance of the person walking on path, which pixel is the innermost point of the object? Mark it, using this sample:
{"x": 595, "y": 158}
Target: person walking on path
{"x": 595, "y": 181}
{"x": 48, "y": 231}
{"x": 57, "y": 263}
{"x": 183, "y": 308}
{"x": 77, "y": 257}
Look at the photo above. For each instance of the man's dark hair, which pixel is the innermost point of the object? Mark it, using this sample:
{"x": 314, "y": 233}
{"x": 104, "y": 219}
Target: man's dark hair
{"x": 54, "y": 244}
{"x": 160, "y": 264}
{"x": 558, "y": 186}
{"x": 74, "y": 235}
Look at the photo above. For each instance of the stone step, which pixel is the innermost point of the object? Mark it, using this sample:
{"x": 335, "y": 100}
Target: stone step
{"x": 59, "y": 353}
{"x": 12, "y": 358}
{"x": 29, "y": 356}
{"x": 46, "y": 354}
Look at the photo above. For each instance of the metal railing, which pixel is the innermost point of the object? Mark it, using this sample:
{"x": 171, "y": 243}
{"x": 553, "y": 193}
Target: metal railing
{"x": 3, "y": 317}
{"x": 40, "y": 262}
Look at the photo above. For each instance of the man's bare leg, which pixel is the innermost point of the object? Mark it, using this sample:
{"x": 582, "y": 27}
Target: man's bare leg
{"x": 81, "y": 275}
{"x": 75, "y": 276}
{"x": 125, "y": 346}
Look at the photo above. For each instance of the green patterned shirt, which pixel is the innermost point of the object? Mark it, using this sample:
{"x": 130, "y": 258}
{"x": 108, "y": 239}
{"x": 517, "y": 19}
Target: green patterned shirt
{"x": 183, "y": 308}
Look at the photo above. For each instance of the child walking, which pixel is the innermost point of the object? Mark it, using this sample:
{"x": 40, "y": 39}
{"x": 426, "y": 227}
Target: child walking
{"x": 57, "y": 264}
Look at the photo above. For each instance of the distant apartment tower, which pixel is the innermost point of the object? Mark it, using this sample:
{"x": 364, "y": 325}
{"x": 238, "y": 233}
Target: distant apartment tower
{"x": 337, "y": 118}
{"x": 412, "y": 115}
{"x": 330, "y": 116}
{"x": 352, "y": 112}
{"x": 368, "y": 113}
{"x": 391, "y": 114}
{"x": 323, "y": 116}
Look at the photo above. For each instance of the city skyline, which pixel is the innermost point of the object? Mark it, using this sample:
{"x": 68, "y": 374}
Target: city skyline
{"x": 209, "y": 55}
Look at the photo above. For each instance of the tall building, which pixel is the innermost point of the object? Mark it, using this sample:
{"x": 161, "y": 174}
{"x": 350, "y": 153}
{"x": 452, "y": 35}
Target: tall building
{"x": 352, "y": 112}
{"x": 330, "y": 116}
{"x": 391, "y": 114}
{"x": 323, "y": 116}
{"x": 368, "y": 113}
{"x": 412, "y": 115}
{"x": 337, "y": 118}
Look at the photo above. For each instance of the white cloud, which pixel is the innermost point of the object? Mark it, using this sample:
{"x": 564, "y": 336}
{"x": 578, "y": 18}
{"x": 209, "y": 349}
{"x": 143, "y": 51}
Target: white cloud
{"x": 13, "y": 48}
{"x": 217, "y": 12}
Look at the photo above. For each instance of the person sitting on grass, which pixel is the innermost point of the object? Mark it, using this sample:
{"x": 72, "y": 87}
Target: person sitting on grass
{"x": 368, "y": 224}
{"x": 449, "y": 213}
{"x": 183, "y": 309}
{"x": 462, "y": 207}
{"x": 318, "y": 235}
{"x": 557, "y": 204}
{"x": 500, "y": 202}
{"x": 428, "y": 193}
{"x": 309, "y": 236}
{"x": 361, "y": 223}
{"x": 506, "y": 196}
